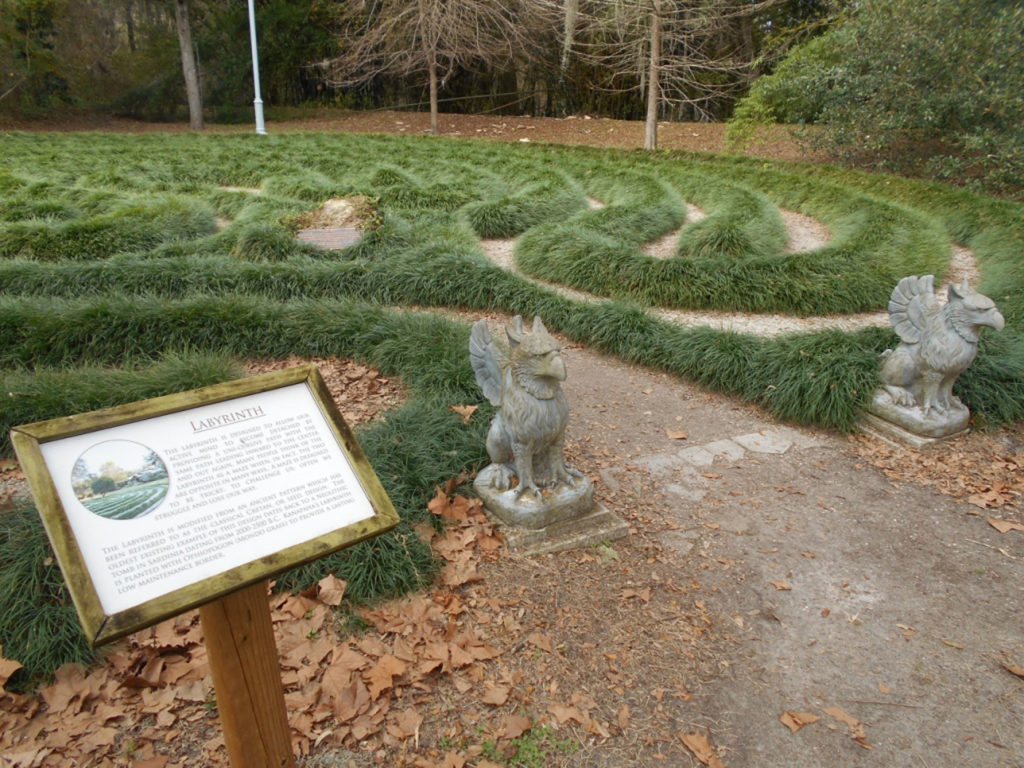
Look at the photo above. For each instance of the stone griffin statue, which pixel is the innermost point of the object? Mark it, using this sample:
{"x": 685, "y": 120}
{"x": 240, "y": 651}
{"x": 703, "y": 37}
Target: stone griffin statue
{"x": 526, "y": 438}
{"x": 938, "y": 342}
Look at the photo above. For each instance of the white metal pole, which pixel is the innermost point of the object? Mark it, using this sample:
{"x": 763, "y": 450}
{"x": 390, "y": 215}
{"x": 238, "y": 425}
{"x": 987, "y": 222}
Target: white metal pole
{"x": 257, "y": 103}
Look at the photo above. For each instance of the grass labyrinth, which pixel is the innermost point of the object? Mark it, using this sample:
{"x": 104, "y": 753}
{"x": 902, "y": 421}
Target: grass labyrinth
{"x": 128, "y": 503}
{"x": 134, "y": 265}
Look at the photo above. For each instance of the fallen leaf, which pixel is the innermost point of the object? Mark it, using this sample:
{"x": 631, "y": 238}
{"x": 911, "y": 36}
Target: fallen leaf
{"x": 496, "y": 696}
{"x": 710, "y": 475}
{"x": 465, "y": 411}
{"x": 331, "y": 590}
{"x": 700, "y": 746}
{"x": 857, "y": 731}
{"x": 797, "y": 720}
{"x": 564, "y": 714}
{"x": 883, "y": 688}
{"x": 1005, "y": 526}
{"x": 1014, "y": 669}
{"x": 951, "y": 644}
{"x": 781, "y": 585}
{"x": 405, "y": 724}
{"x": 642, "y": 594}
{"x": 380, "y": 677}
{"x": 514, "y": 726}
{"x": 676, "y": 434}
{"x": 439, "y": 503}
{"x": 623, "y": 717}
{"x": 541, "y": 641}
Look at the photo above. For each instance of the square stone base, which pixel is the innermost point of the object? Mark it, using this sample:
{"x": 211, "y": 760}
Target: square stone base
{"x": 587, "y": 530}
{"x": 897, "y": 435}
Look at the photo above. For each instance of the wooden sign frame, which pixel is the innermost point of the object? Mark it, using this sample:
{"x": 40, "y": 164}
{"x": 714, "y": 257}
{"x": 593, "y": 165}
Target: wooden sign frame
{"x": 102, "y": 626}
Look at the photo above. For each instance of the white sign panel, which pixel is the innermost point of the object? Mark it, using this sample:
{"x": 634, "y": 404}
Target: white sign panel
{"x": 166, "y": 502}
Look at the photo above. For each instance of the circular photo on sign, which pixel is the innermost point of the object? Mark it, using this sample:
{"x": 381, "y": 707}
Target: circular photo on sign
{"x": 120, "y": 479}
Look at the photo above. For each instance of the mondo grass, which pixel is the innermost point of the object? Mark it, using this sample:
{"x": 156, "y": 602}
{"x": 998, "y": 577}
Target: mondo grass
{"x": 132, "y": 228}
{"x": 553, "y": 196}
{"x": 38, "y": 394}
{"x": 38, "y": 624}
{"x": 127, "y": 306}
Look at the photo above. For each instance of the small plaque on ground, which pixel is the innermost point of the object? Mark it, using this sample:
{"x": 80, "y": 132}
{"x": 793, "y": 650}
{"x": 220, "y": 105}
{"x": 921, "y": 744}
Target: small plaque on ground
{"x": 158, "y": 506}
{"x": 330, "y": 238}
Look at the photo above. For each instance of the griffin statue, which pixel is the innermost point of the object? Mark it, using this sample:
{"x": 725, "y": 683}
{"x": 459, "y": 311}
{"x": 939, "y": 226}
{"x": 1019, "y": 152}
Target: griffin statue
{"x": 938, "y": 342}
{"x": 526, "y": 437}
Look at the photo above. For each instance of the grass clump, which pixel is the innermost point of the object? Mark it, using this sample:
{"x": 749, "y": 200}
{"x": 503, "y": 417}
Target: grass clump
{"x": 38, "y": 624}
{"x": 36, "y": 394}
{"x": 132, "y": 228}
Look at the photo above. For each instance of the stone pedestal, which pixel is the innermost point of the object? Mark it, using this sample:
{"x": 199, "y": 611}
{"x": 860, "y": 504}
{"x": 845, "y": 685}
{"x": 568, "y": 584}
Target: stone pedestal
{"x": 909, "y": 425}
{"x": 566, "y": 518}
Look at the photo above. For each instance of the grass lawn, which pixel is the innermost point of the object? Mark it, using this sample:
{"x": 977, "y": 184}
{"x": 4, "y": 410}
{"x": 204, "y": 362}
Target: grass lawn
{"x": 135, "y": 265}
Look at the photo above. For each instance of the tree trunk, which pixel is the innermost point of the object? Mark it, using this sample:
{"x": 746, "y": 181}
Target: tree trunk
{"x": 129, "y": 22}
{"x": 432, "y": 66}
{"x": 653, "y": 91}
{"x": 188, "y": 65}
{"x": 572, "y": 9}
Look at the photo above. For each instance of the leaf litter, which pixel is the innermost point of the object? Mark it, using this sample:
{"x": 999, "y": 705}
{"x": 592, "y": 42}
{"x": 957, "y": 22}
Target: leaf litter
{"x": 472, "y": 661}
{"x": 984, "y": 470}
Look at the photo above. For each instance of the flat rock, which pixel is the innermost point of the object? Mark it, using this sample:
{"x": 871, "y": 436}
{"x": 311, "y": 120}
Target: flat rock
{"x": 697, "y": 456}
{"x": 729, "y": 450}
{"x": 768, "y": 441}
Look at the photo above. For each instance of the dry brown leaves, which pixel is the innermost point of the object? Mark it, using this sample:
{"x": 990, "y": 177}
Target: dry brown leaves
{"x": 857, "y": 730}
{"x": 985, "y": 470}
{"x": 352, "y": 212}
{"x": 438, "y": 675}
{"x": 359, "y": 391}
{"x": 701, "y": 748}
{"x": 364, "y": 690}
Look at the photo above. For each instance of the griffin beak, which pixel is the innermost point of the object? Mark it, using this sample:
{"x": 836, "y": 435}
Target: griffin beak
{"x": 557, "y": 369}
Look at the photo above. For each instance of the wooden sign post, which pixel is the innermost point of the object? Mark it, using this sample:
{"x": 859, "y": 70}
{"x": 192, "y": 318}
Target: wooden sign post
{"x": 197, "y": 500}
{"x": 247, "y": 677}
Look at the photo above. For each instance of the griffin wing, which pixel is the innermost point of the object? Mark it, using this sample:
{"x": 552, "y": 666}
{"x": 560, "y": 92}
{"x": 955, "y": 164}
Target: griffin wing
{"x": 912, "y": 307}
{"x": 486, "y": 359}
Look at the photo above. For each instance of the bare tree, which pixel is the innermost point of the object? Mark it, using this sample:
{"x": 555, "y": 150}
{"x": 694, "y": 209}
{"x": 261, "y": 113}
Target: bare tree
{"x": 681, "y": 52}
{"x": 570, "y": 15}
{"x": 434, "y": 38}
{"x": 188, "y": 65}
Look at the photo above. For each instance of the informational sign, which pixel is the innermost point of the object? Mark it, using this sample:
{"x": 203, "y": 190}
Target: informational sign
{"x": 158, "y": 506}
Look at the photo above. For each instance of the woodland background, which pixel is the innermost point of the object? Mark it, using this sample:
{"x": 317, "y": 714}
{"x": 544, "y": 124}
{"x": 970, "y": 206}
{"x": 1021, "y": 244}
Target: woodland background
{"x": 934, "y": 87}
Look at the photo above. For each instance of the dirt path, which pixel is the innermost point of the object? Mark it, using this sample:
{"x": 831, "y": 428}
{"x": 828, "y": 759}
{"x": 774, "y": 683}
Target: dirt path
{"x": 840, "y": 587}
{"x": 775, "y": 143}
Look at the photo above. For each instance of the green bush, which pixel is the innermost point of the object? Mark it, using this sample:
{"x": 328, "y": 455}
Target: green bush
{"x": 932, "y": 86}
